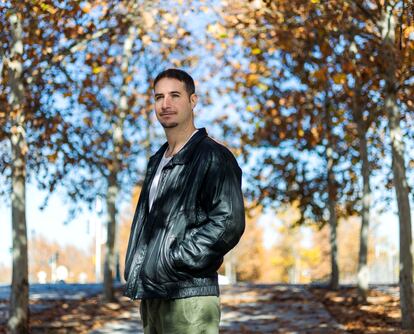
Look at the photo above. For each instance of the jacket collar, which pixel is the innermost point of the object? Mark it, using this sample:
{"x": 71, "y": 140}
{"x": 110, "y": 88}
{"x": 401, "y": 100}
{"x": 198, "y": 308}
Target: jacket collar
{"x": 185, "y": 154}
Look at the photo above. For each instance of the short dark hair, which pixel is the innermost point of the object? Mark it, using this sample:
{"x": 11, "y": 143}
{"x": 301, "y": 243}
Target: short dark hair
{"x": 180, "y": 75}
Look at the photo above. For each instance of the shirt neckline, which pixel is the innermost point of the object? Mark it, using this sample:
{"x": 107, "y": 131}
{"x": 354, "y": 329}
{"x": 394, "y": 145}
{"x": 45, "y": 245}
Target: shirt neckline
{"x": 164, "y": 157}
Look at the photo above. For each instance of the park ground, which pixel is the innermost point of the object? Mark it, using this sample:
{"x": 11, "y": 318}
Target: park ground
{"x": 246, "y": 308}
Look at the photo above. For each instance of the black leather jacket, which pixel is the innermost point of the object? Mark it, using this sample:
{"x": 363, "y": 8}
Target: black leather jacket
{"x": 174, "y": 250}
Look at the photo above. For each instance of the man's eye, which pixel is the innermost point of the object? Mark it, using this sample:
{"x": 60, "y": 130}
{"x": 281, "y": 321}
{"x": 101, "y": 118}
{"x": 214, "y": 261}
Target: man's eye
{"x": 157, "y": 98}
{"x": 176, "y": 95}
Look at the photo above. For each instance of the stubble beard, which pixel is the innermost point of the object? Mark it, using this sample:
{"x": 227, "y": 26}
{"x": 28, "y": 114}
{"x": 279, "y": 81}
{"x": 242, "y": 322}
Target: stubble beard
{"x": 169, "y": 125}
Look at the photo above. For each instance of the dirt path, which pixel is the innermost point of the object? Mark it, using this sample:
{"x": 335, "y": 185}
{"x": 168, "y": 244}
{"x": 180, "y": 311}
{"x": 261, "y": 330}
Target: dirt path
{"x": 254, "y": 309}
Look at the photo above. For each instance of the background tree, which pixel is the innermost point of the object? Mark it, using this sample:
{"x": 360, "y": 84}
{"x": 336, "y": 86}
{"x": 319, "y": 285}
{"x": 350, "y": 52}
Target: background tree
{"x": 37, "y": 38}
{"x": 114, "y": 131}
{"x": 243, "y": 265}
{"x": 292, "y": 94}
{"x": 288, "y": 43}
{"x": 43, "y": 252}
{"x": 396, "y": 68}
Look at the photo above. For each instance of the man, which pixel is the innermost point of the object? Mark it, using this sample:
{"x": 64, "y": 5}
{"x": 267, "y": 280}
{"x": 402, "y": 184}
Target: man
{"x": 189, "y": 214}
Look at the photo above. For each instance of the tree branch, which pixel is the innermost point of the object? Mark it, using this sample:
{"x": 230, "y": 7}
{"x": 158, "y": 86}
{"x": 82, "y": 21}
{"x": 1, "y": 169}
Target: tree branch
{"x": 366, "y": 12}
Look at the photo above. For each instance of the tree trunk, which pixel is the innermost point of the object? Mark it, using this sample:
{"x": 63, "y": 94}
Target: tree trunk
{"x": 363, "y": 271}
{"x": 114, "y": 168}
{"x": 402, "y": 192}
{"x": 398, "y": 167}
{"x": 331, "y": 189}
{"x": 109, "y": 264}
{"x": 19, "y": 298}
{"x": 333, "y": 223}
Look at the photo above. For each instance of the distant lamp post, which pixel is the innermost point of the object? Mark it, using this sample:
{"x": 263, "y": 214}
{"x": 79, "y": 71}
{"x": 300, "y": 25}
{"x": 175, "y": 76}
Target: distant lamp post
{"x": 230, "y": 268}
{"x": 53, "y": 264}
{"x": 62, "y": 273}
{"x": 82, "y": 278}
{"x": 41, "y": 277}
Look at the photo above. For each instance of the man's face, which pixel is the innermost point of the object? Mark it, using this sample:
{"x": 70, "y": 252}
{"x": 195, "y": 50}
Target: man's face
{"x": 173, "y": 106}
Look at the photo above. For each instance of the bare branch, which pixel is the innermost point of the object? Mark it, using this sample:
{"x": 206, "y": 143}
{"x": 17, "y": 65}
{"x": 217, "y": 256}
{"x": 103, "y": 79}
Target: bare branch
{"x": 79, "y": 46}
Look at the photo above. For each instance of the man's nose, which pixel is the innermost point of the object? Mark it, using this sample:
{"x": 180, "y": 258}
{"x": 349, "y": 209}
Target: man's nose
{"x": 166, "y": 102}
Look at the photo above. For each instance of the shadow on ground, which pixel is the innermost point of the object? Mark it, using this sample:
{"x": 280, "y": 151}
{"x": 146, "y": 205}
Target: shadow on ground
{"x": 246, "y": 308}
{"x": 257, "y": 309}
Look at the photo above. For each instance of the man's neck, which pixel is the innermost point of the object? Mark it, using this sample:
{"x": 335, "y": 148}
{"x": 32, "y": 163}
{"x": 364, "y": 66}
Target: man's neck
{"x": 177, "y": 137}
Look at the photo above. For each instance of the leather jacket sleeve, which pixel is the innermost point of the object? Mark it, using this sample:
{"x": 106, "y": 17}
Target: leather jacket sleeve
{"x": 222, "y": 200}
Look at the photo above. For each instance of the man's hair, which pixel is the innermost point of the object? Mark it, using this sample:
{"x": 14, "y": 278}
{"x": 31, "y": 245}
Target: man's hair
{"x": 180, "y": 75}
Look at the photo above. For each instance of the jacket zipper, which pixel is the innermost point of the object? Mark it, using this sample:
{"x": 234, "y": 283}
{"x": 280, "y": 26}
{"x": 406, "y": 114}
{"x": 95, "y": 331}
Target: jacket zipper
{"x": 159, "y": 191}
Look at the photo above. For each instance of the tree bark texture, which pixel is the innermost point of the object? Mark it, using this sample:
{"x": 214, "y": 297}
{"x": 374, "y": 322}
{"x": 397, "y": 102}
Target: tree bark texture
{"x": 113, "y": 186}
{"x": 333, "y": 223}
{"x": 109, "y": 264}
{"x": 331, "y": 188}
{"x": 389, "y": 53}
{"x": 19, "y": 298}
{"x": 363, "y": 270}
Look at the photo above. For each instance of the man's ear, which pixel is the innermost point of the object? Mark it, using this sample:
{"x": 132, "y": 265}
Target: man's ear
{"x": 193, "y": 100}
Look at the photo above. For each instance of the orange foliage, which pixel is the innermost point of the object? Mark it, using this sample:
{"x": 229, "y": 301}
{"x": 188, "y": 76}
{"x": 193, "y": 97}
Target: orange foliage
{"x": 76, "y": 260}
{"x": 5, "y": 273}
{"x": 348, "y": 248}
{"x": 300, "y": 255}
{"x": 249, "y": 255}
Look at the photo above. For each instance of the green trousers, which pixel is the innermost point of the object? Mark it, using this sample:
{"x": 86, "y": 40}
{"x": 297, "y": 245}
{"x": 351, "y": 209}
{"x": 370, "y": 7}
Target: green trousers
{"x": 194, "y": 315}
